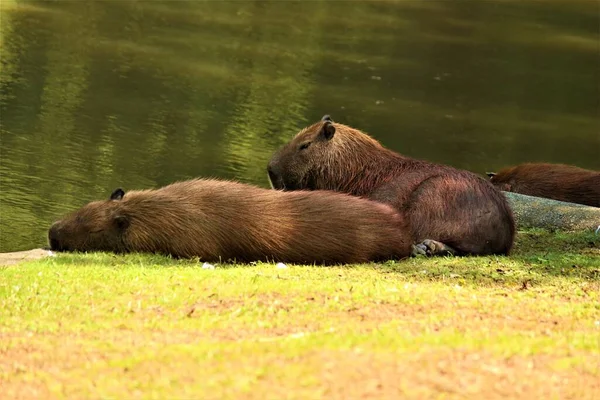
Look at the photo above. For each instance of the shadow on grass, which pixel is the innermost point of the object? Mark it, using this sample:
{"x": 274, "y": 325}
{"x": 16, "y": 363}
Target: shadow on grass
{"x": 560, "y": 253}
{"x": 538, "y": 256}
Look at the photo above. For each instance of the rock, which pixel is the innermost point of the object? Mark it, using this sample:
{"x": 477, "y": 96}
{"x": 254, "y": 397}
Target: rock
{"x": 19, "y": 256}
{"x": 538, "y": 212}
{"x": 207, "y": 266}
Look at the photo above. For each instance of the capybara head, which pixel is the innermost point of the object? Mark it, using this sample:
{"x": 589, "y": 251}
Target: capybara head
{"x": 319, "y": 156}
{"x": 501, "y": 181}
{"x": 97, "y": 226}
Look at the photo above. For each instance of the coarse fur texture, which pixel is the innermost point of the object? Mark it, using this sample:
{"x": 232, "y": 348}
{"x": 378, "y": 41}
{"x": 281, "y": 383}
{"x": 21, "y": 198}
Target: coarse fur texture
{"x": 221, "y": 221}
{"x": 455, "y": 207}
{"x": 552, "y": 181}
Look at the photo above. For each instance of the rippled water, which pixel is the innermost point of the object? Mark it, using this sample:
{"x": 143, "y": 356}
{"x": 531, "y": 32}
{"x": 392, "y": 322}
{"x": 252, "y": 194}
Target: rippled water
{"x": 137, "y": 94}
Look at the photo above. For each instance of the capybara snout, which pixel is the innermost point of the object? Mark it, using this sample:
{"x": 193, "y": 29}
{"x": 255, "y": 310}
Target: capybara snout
{"x": 54, "y": 237}
{"x": 274, "y": 176}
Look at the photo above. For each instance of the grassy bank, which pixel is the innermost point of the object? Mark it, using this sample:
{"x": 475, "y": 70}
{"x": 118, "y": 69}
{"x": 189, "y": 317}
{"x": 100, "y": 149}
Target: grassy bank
{"x": 105, "y": 326}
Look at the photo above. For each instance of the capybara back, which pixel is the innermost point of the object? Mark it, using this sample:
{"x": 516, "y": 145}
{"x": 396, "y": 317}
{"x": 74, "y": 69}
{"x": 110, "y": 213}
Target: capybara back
{"x": 552, "y": 181}
{"x": 222, "y": 221}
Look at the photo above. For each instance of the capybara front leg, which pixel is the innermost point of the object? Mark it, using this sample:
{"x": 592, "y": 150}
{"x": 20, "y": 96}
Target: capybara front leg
{"x": 432, "y": 248}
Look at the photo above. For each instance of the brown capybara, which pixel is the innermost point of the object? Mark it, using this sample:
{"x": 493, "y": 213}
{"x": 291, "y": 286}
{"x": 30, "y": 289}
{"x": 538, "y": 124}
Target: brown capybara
{"x": 448, "y": 210}
{"x": 552, "y": 181}
{"x": 229, "y": 221}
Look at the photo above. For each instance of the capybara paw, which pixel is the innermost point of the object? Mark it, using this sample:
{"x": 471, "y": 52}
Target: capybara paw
{"x": 433, "y": 248}
{"x": 418, "y": 250}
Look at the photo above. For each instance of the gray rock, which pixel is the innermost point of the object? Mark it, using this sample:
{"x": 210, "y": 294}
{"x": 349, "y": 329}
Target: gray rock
{"x": 538, "y": 212}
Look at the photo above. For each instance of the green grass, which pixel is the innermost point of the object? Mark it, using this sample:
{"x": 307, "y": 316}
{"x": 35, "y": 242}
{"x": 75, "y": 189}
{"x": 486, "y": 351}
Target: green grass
{"x": 142, "y": 326}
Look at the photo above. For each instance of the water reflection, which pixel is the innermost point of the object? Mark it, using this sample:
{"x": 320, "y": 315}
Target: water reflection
{"x": 135, "y": 94}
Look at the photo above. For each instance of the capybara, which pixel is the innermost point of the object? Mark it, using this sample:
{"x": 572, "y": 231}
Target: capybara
{"x": 448, "y": 210}
{"x": 552, "y": 181}
{"x": 229, "y": 221}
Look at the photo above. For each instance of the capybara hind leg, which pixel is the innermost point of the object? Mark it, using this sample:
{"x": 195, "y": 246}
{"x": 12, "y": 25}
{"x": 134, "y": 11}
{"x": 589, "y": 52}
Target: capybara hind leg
{"x": 470, "y": 218}
{"x": 432, "y": 248}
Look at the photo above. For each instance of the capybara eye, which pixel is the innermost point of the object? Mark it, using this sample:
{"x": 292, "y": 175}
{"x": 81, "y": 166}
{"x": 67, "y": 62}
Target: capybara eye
{"x": 304, "y": 146}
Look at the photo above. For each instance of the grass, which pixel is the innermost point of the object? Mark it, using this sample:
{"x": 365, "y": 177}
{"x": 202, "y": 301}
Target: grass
{"x": 143, "y": 326}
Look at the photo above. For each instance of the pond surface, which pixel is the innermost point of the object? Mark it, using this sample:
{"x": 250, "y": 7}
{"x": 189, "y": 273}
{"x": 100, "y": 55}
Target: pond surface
{"x": 137, "y": 94}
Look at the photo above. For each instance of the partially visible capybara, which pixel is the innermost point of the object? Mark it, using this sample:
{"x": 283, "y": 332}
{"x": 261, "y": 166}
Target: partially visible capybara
{"x": 553, "y": 181}
{"x": 223, "y": 220}
{"x": 442, "y": 204}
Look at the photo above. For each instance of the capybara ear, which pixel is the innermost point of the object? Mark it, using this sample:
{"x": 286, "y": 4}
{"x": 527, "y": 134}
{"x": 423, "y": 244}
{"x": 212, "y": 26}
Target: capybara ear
{"x": 490, "y": 174}
{"x": 326, "y": 117}
{"x": 121, "y": 222}
{"x": 117, "y": 194}
{"x": 327, "y": 130}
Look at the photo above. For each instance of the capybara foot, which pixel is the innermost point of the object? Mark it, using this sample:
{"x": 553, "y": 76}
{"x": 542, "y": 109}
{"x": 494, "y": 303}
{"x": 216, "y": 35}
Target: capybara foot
{"x": 432, "y": 248}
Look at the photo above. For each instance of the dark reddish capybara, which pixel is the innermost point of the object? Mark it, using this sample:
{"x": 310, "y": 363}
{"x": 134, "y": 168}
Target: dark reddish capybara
{"x": 552, "y": 181}
{"x": 229, "y": 221}
{"x": 449, "y": 210}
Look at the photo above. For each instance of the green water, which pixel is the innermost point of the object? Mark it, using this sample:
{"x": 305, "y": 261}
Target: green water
{"x": 137, "y": 94}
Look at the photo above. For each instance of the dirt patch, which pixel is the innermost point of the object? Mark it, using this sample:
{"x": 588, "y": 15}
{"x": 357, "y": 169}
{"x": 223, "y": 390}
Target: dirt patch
{"x": 451, "y": 373}
{"x": 145, "y": 366}
{"x": 20, "y": 256}
{"x": 367, "y": 316}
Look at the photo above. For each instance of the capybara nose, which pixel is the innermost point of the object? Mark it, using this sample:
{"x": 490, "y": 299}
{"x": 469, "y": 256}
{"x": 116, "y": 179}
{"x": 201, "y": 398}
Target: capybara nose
{"x": 53, "y": 233}
{"x": 273, "y": 177}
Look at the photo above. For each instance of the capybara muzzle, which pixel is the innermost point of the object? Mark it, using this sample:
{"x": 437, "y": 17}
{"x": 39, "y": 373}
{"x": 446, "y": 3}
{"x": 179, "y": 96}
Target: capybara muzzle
{"x": 275, "y": 178}
{"x": 54, "y": 237}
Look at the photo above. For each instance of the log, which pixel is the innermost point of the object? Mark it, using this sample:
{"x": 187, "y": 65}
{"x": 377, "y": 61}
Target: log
{"x": 552, "y": 215}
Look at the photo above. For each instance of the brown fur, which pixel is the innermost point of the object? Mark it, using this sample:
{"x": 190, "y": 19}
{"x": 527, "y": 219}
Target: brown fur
{"x": 455, "y": 207}
{"x": 222, "y": 220}
{"x": 553, "y": 181}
